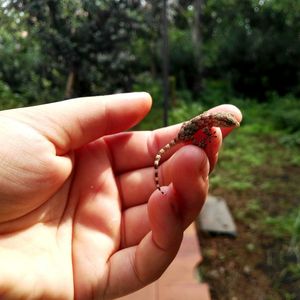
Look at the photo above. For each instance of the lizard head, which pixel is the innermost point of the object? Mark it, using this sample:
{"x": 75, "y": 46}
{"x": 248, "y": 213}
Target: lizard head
{"x": 225, "y": 119}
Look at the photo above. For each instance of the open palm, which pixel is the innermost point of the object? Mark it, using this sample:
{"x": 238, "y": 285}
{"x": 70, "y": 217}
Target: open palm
{"x": 78, "y": 215}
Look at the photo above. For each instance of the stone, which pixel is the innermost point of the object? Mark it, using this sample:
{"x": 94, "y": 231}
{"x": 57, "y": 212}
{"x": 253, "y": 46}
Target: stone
{"x": 216, "y": 219}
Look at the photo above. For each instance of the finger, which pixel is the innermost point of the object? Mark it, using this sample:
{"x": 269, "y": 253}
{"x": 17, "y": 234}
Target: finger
{"x": 231, "y": 109}
{"x": 134, "y": 267}
{"x": 188, "y": 173}
{"x": 73, "y": 123}
{"x": 143, "y": 146}
{"x": 135, "y": 224}
{"x": 138, "y": 148}
{"x": 137, "y": 186}
{"x": 171, "y": 213}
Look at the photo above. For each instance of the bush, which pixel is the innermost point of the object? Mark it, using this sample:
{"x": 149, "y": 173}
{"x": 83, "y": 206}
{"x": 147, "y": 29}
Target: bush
{"x": 8, "y": 99}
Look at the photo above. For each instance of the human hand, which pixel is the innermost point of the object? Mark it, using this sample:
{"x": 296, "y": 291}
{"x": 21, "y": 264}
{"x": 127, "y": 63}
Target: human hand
{"x": 80, "y": 217}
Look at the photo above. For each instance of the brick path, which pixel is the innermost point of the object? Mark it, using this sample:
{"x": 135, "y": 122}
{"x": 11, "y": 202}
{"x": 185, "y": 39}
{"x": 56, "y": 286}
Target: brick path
{"x": 179, "y": 282}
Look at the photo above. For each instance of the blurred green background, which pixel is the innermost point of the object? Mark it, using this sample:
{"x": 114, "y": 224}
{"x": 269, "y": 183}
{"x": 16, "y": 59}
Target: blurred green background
{"x": 244, "y": 52}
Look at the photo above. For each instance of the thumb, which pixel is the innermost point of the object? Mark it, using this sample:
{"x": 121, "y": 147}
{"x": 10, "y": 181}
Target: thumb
{"x": 73, "y": 123}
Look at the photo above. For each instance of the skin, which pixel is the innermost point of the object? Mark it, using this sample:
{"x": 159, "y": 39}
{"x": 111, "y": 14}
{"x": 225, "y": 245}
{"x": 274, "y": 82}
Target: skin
{"x": 74, "y": 220}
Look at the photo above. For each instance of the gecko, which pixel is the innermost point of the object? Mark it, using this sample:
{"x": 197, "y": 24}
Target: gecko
{"x": 204, "y": 122}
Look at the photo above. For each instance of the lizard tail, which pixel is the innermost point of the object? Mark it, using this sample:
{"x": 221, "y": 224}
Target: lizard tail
{"x": 157, "y": 160}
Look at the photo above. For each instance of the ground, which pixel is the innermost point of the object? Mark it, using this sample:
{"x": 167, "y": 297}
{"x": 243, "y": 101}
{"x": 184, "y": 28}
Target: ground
{"x": 263, "y": 261}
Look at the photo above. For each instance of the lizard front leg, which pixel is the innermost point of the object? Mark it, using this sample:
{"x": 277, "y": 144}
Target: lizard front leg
{"x": 202, "y": 143}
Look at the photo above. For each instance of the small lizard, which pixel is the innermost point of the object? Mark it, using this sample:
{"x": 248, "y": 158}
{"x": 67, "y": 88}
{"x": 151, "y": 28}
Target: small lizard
{"x": 188, "y": 130}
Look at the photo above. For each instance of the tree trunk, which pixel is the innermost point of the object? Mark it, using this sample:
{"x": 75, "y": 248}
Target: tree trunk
{"x": 165, "y": 61}
{"x": 69, "y": 91}
{"x": 197, "y": 41}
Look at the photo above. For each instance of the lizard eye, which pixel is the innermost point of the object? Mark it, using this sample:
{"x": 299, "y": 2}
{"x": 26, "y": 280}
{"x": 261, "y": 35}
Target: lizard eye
{"x": 231, "y": 122}
{"x": 234, "y": 122}
{"x": 227, "y": 120}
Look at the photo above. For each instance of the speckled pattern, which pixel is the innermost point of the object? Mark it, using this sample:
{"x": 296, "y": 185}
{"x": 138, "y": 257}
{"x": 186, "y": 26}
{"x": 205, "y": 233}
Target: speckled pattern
{"x": 188, "y": 130}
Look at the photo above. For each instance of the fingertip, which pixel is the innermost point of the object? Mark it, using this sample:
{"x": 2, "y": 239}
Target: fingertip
{"x": 230, "y": 109}
{"x": 190, "y": 160}
{"x": 189, "y": 174}
{"x": 146, "y": 97}
{"x": 128, "y": 108}
{"x": 143, "y": 101}
{"x": 165, "y": 218}
{"x": 87, "y": 119}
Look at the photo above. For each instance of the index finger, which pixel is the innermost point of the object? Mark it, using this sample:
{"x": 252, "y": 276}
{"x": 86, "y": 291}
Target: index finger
{"x": 73, "y": 123}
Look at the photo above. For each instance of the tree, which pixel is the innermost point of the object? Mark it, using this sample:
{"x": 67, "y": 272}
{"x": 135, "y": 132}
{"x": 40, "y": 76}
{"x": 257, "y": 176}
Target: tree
{"x": 197, "y": 42}
{"x": 87, "y": 42}
{"x": 19, "y": 56}
{"x": 253, "y": 45}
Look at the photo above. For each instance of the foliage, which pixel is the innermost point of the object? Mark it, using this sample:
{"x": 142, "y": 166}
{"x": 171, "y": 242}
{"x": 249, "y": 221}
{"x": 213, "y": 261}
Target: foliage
{"x": 55, "y": 49}
{"x": 185, "y": 111}
{"x": 285, "y": 225}
{"x": 250, "y": 49}
{"x": 144, "y": 82}
{"x": 20, "y": 59}
{"x": 254, "y": 45}
{"x": 83, "y": 46}
{"x": 181, "y": 58}
{"x": 8, "y": 99}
